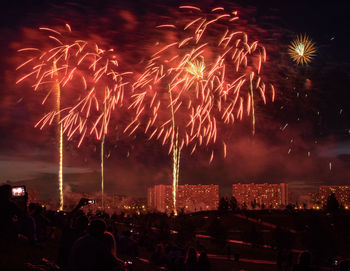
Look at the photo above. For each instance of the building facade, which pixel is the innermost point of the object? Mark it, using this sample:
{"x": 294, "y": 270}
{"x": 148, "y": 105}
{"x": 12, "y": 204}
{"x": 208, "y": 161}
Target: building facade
{"x": 341, "y": 192}
{"x": 264, "y": 195}
{"x": 190, "y": 198}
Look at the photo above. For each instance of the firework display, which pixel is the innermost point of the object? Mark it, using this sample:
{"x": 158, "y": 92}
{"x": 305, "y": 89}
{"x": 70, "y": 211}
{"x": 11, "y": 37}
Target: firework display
{"x": 186, "y": 95}
{"x": 209, "y": 80}
{"x": 302, "y": 50}
{"x": 208, "y": 73}
{"x": 78, "y": 66}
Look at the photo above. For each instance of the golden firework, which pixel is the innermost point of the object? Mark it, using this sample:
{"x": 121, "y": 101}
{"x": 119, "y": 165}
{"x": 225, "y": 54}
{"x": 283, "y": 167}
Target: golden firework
{"x": 302, "y": 50}
{"x": 196, "y": 68}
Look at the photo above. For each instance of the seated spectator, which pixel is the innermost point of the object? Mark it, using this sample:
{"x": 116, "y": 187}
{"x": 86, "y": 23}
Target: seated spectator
{"x": 158, "y": 257}
{"x": 127, "y": 245}
{"x": 203, "y": 262}
{"x": 72, "y": 232}
{"x": 9, "y": 213}
{"x": 304, "y": 262}
{"x": 191, "y": 259}
{"x": 41, "y": 223}
{"x": 109, "y": 241}
{"x": 90, "y": 252}
{"x": 27, "y": 225}
{"x": 343, "y": 266}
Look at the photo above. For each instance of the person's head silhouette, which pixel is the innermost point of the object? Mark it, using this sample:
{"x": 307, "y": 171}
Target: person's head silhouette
{"x": 97, "y": 228}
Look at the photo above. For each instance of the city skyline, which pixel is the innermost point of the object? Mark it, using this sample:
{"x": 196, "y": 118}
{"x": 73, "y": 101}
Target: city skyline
{"x": 199, "y": 197}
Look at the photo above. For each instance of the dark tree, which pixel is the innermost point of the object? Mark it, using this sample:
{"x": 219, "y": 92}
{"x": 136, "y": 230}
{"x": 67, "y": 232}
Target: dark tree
{"x": 332, "y": 204}
{"x": 233, "y": 204}
{"x": 223, "y": 204}
{"x": 253, "y": 204}
{"x": 181, "y": 212}
{"x": 290, "y": 207}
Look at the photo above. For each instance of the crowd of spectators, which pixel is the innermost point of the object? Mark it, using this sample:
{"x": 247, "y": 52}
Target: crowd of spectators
{"x": 89, "y": 242}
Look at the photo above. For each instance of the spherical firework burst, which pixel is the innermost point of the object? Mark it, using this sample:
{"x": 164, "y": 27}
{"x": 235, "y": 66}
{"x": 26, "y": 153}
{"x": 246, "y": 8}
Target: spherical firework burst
{"x": 302, "y": 50}
{"x": 208, "y": 73}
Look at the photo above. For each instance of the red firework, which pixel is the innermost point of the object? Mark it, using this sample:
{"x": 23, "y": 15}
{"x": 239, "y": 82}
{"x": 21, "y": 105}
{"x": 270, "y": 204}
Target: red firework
{"x": 208, "y": 73}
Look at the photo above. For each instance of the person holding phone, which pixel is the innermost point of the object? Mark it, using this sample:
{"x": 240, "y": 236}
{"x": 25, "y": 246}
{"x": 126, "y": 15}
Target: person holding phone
{"x": 9, "y": 214}
{"x": 75, "y": 227}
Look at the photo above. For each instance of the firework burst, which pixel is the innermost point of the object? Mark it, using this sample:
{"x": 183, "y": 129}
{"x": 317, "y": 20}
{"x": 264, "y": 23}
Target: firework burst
{"x": 207, "y": 74}
{"x": 302, "y": 50}
{"x": 69, "y": 67}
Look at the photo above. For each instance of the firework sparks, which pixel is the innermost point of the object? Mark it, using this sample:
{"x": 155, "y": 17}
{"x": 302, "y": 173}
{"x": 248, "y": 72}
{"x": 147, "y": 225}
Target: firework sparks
{"x": 302, "y": 50}
{"x": 51, "y": 70}
{"x": 72, "y": 64}
{"x": 211, "y": 73}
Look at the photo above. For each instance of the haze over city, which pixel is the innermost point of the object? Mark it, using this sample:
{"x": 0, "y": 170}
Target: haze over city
{"x": 302, "y": 138}
{"x": 174, "y": 135}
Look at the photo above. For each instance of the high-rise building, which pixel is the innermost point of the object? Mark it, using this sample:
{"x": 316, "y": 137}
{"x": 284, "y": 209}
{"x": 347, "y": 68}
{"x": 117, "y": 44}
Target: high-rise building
{"x": 341, "y": 192}
{"x": 261, "y": 195}
{"x": 191, "y": 198}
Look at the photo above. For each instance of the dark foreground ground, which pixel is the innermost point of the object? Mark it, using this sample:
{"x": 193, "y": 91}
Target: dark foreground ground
{"x": 249, "y": 240}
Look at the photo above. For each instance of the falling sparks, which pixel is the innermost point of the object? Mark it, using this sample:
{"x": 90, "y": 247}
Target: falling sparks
{"x": 75, "y": 66}
{"x": 80, "y": 65}
{"x": 197, "y": 68}
{"x": 212, "y": 75}
{"x": 284, "y": 127}
{"x": 302, "y": 50}
{"x": 208, "y": 77}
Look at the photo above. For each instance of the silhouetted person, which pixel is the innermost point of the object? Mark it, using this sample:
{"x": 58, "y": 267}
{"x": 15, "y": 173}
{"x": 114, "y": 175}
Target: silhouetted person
{"x": 41, "y": 224}
{"x": 127, "y": 245}
{"x": 282, "y": 260}
{"x": 304, "y": 262}
{"x": 203, "y": 262}
{"x": 9, "y": 213}
{"x": 228, "y": 252}
{"x": 90, "y": 252}
{"x": 110, "y": 243}
{"x": 75, "y": 227}
{"x": 27, "y": 225}
{"x": 191, "y": 259}
{"x": 344, "y": 266}
{"x": 158, "y": 257}
{"x": 72, "y": 232}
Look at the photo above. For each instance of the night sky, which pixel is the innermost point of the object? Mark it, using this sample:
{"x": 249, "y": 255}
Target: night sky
{"x": 303, "y": 138}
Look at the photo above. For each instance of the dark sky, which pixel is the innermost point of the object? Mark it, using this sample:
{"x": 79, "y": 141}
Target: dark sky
{"x": 302, "y": 138}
